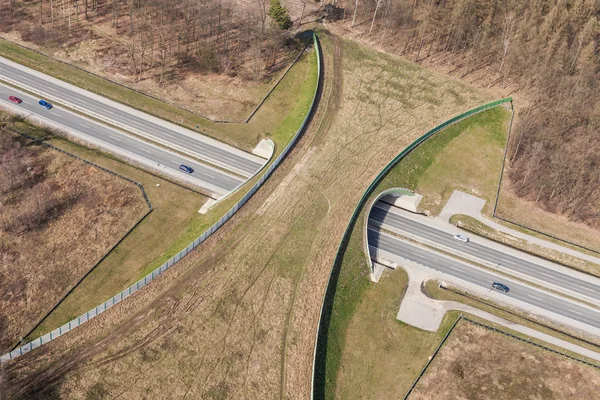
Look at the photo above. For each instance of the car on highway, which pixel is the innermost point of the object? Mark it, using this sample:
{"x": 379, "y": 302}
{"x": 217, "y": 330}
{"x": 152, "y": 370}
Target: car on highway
{"x": 462, "y": 238}
{"x": 500, "y": 286}
{"x": 186, "y": 169}
{"x": 15, "y": 99}
{"x": 45, "y": 104}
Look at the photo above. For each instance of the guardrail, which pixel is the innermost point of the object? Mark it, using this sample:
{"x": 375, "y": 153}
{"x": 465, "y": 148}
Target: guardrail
{"x": 495, "y": 210}
{"x": 218, "y": 121}
{"x": 90, "y": 112}
{"x": 493, "y": 329}
{"x": 172, "y": 261}
{"x": 323, "y": 324}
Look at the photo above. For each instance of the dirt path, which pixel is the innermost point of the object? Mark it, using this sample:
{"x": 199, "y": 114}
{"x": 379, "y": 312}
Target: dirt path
{"x": 332, "y": 93}
{"x": 237, "y": 318}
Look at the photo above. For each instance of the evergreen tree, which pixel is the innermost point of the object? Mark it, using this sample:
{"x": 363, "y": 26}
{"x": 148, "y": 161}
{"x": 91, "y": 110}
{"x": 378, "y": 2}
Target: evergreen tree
{"x": 280, "y": 15}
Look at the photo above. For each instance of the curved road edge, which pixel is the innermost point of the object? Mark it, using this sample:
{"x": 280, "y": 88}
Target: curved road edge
{"x": 322, "y": 328}
{"x": 160, "y": 270}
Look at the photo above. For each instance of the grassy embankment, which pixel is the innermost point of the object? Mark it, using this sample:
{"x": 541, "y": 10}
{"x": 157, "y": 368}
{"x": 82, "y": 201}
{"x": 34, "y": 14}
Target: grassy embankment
{"x": 244, "y": 139}
{"x": 529, "y": 213}
{"x": 174, "y": 223}
{"x": 257, "y": 312}
{"x": 452, "y": 159}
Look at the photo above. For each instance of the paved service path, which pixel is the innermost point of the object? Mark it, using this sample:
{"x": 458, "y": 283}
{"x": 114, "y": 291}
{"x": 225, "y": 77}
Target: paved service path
{"x": 425, "y": 313}
{"x": 463, "y": 203}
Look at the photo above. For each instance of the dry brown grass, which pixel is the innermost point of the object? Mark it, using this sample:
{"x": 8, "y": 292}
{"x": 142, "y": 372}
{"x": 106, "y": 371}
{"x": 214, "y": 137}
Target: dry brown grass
{"x": 58, "y": 219}
{"x": 530, "y": 213}
{"x": 511, "y": 206}
{"x": 237, "y": 317}
{"x": 382, "y": 355}
{"x": 95, "y": 47}
{"x": 476, "y": 363}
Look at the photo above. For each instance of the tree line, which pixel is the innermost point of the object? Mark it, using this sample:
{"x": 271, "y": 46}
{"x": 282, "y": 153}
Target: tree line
{"x": 547, "y": 51}
{"x": 156, "y": 36}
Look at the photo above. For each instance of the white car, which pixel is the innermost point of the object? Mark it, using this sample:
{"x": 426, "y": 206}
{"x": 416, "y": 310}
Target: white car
{"x": 462, "y": 238}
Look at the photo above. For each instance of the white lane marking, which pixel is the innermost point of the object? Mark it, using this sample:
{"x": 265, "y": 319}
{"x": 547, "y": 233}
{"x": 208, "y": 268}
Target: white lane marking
{"x": 576, "y": 312}
{"x": 149, "y": 152}
{"x": 456, "y": 269}
{"x": 176, "y": 162}
{"x": 533, "y": 297}
{"x": 85, "y": 126}
{"x": 112, "y": 137}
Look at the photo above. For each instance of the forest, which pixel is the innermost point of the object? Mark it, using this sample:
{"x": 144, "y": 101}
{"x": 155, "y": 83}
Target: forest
{"x": 543, "y": 51}
{"x": 158, "y": 36}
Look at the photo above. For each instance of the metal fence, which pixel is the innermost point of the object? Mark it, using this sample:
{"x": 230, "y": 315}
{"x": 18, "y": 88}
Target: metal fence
{"x": 495, "y": 210}
{"x": 493, "y": 329}
{"x": 321, "y": 334}
{"x": 218, "y": 121}
{"x": 160, "y": 270}
{"x": 430, "y": 360}
{"x": 146, "y": 199}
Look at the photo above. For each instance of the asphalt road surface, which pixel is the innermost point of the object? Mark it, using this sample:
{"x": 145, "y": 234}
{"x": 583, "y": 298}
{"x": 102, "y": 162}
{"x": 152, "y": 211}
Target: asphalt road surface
{"x": 221, "y": 154}
{"x": 381, "y": 241}
{"x": 488, "y": 254}
{"x": 206, "y": 177}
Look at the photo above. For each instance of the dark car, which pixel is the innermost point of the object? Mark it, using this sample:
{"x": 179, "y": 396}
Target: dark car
{"x": 45, "y": 104}
{"x": 15, "y": 99}
{"x": 500, "y": 286}
{"x": 186, "y": 169}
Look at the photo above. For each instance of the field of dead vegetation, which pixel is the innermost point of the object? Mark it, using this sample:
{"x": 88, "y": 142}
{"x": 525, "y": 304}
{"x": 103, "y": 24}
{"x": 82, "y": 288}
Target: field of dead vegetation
{"x": 237, "y": 317}
{"x": 58, "y": 217}
{"x": 476, "y": 363}
{"x": 533, "y": 215}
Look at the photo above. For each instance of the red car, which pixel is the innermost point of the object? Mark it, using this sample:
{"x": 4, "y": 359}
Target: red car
{"x": 15, "y": 99}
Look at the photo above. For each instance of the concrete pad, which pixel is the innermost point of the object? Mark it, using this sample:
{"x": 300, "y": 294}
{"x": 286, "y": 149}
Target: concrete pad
{"x": 462, "y": 203}
{"x": 417, "y": 309}
{"x": 377, "y": 271}
{"x": 264, "y": 148}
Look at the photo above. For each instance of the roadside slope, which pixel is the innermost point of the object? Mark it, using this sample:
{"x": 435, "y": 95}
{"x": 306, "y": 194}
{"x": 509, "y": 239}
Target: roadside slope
{"x": 238, "y": 317}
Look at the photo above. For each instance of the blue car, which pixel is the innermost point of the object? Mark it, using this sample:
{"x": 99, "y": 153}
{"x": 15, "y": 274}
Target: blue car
{"x": 500, "y": 286}
{"x": 45, "y": 104}
{"x": 186, "y": 169}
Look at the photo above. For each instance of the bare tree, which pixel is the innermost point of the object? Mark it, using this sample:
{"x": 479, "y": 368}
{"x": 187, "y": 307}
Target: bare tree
{"x": 509, "y": 20}
{"x": 378, "y": 3}
{"x": 355, "y": 11}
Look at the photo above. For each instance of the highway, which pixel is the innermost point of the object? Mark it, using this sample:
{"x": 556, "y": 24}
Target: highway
{"x": 168, "y": 134}
{"x": 386, "y": 214}
{"x": 209, "y": 178}
{"x": 380, "y": 241}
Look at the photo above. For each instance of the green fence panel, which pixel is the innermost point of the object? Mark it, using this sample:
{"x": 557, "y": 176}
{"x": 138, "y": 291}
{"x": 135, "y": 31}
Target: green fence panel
{"x": 366, "y": 195}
